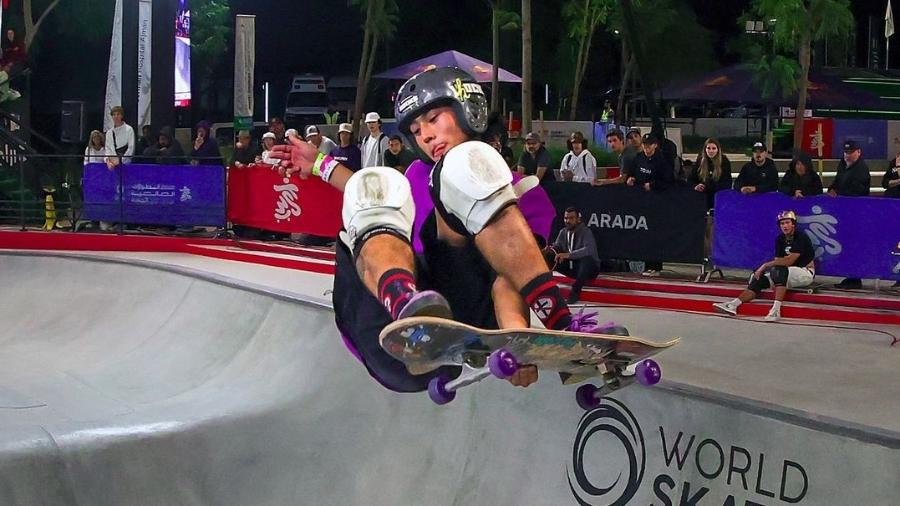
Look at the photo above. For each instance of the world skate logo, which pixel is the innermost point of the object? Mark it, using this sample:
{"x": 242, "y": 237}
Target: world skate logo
{"x": 610, "y": 429}
{"x": 287, "y": 204}
{"x": 820, "y": 227}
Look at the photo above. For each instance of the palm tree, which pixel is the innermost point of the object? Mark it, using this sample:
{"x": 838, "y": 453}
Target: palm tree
{"x": 380, "y": 24}
{"x": 583, "y": 17}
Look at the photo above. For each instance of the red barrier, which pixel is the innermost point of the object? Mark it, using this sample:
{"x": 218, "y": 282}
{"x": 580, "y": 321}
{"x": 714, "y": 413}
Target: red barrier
{"x": 258, "y": 197}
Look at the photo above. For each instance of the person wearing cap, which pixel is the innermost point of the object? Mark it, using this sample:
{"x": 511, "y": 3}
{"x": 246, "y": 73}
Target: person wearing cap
{"x": 397, "y": 156}
{"x": 120, "y": 142}
{"x": 635, "y": 138}
{"x": 651, "y": 171}
{"x": 375, "y": 144}
{"x": 800, "y": 180}
{"x": 578, "y": 165}
{"x": 268, "y": 142}
{"x": 759, "y": 175}
{"x": 347, "y": 153}
{"x": 793, "y": 267}
{"x": 852, "y": 180}
{"x": 891, "y": 179}
{"x": 245, "y": 150}
{"x": 534, "y": 160}
{"x": 276, "y": 126}
{"x": 626, "y": 153}
{"x": 325, "y": 145}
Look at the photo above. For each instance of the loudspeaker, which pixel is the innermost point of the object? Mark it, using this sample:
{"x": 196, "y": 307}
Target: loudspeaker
{"x": 72, "y": 122}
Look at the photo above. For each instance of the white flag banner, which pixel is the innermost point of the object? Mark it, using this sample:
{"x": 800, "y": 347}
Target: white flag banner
{"x": 888, "y": 21}
{"x": 114, "y": 77}
{"x": 244, "y": 62}
{"x": 145, "y": 42}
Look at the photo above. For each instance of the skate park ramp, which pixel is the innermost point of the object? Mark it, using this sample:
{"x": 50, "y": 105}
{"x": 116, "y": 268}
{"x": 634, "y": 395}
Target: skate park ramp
{"x": 126, "y": 383}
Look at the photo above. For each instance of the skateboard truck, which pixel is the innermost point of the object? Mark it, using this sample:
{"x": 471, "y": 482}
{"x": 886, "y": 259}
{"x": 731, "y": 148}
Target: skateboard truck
{"x": 647, "y": 372}
{"x": 500, "y": 364}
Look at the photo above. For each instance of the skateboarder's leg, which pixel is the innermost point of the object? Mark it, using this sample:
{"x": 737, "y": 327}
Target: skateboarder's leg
{"x": 754, "y": 287}
{"x": 509, "y": 307}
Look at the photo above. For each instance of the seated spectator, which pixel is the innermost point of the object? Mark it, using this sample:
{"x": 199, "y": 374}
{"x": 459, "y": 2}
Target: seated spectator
{"x": 891, "y": 179}
{"x": 245, "y": 150}
{"x": 792, "y": 267}
{"x": 145, "y": 141}
{"x": 615, "y": 139}
{"x": 206, "y": 148}
{"x": 574, "y": 253}
{"x": 397, "y": 155}
{"x": 801, "y": 180}
{"x": 325, "y": 145}
{"x": 578, "y": 165}
{"x": 120, "y": 141}
{"x": 534, "y": 160}
{"x": 167, "y": 150}
{"x": 347, "y": 153}
{"x": 652, "y": 172}
{"x": 711, "y": 173}
{"x": 268, "y": 140}
{"x": 759, "y": 175}
{"x": 852, "y": 180}
{"x": 95, "y": 152}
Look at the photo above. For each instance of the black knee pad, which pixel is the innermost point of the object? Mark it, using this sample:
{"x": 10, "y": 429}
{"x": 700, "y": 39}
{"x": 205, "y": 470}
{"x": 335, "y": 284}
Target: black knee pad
{"x": 779, "y": 275}
{"x": 758, "y": 285}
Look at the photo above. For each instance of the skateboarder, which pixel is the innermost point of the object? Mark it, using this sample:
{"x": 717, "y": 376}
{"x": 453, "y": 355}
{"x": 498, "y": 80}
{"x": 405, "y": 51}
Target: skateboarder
{"x": 479, "y": 251}
{"x": 792, "y": 267}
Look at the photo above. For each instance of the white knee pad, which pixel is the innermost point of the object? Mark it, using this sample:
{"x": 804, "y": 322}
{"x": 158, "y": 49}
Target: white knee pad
{"x": 377, "y": 198}
{"x": 475, "y": 184}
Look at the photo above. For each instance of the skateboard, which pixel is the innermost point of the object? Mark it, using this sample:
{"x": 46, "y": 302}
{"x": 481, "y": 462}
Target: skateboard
{"x": 426, "y": 343}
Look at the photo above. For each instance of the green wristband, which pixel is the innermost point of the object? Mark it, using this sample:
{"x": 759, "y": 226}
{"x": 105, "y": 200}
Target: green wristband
{"x": 318, "y": 165}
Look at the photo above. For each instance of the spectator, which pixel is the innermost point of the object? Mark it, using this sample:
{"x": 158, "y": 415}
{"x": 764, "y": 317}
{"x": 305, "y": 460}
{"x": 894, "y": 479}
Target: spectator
{"x": 615, "y": 139}
{"x": 759, "y": 175}
{"x": 792, "y": 267}
{"x": 609, "y": 114}
{"x": 245, "y": 150}
{"x": 291, "y": 132}
{"x": 800, "y": 180}
{"x": 635, "y": 138}
{"x": 534, "y": 160}
{"x": 120, "y": 141}
{"x": 574, "y": 253}
{"x": 496, "y": 140}
{"x": 651, "y": 173}
{"x": 95, "y": 151}
{"x": 325, "y": 145}
{"x": 891, "y": 180}
{"x": 145, "y": 141}
{"x": 375, "y": 144}
{"x": 268, "y": 140}
{"x": 347, "y": 153}
{"x": 167, "y": 149}
{"x": 276, "y": 126}
{"x": 852, "y": 180}
{"x": 578, "y": 165}
{"x": 711, "y": 173}
{"x": 13, "y": 50}
{"x": 206, "y": 148}
{"x": 397, "y": 155}
{"x": 331, "y": 114}
{"x": 7, "y": 94}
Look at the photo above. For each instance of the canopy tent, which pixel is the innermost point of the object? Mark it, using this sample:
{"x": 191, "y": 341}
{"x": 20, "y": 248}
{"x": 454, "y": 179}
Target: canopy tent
{"x": 736, "y": 84}
{"x": 480, "y": 70}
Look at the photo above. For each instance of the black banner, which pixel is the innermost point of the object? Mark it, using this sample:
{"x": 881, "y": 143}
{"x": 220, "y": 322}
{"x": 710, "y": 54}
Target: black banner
{"x": 630, "y": 223}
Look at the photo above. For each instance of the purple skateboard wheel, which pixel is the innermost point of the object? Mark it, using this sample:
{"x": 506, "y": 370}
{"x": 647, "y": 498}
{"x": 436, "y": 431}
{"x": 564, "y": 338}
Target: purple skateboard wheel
{"x": 438, "y": 392}
{"x": 648, "y": 372}
{"x": 502, "y": 364}
{"x": 587, "y": 397}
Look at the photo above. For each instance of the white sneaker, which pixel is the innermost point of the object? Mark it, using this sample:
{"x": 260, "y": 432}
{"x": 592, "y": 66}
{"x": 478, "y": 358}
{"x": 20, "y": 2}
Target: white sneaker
{"x": 725, "y": 307}
{"x": 774, "y": 315}
{"x": 650, "y": 273}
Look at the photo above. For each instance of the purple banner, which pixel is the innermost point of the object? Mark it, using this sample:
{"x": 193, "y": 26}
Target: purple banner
{"x": 155, "y": 194}
{"x": 853, "y": 236}
{"x": 871, "y": 134}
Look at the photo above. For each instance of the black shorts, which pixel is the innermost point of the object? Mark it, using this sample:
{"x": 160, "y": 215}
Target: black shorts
{"x": 459, "y": 274}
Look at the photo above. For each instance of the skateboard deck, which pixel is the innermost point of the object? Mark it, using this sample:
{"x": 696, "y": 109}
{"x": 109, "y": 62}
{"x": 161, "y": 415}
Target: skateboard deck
{"x": 426, "y": 343}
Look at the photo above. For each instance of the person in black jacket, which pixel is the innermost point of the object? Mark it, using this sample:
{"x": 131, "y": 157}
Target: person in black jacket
{"x": 852, "y": 180}
{"x": 800, "y": 180}
{"x": 712, "y": 171}
{"x": 651, "y": 170}
{"x": 891, "y": 179}
{"x": 758, "y": 175}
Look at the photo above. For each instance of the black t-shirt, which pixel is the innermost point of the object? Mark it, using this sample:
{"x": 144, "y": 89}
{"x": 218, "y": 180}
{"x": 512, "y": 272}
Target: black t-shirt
{"x": 540, "y": 159}
{"x": 799, "y": 244}
{"x": 404, "y": 158}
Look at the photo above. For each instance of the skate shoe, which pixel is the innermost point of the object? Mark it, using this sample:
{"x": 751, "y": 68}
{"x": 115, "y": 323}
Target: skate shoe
{"x": 426, "y": 303}
{"x": 725, "y": 307}
{"x": 774, "y": 315}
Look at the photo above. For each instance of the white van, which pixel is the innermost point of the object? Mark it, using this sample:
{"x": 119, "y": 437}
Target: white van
{"x": 307, "y": 101}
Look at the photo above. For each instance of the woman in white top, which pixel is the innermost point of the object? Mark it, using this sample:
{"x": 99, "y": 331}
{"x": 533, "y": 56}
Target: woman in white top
{"x": 95, "y": 152}
{"x": 579, "y": 165}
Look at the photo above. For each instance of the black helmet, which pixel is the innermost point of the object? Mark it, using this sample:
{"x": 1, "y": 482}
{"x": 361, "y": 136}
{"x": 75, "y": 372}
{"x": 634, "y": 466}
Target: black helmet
{"x": 442, "y": 86}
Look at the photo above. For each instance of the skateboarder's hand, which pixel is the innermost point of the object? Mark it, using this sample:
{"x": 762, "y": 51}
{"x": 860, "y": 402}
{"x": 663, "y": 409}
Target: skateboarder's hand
{"x": 526, "y": 375}
{"x": 298, "y": 156}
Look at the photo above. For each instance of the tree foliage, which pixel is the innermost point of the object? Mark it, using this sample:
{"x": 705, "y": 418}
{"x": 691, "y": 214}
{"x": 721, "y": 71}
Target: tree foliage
{"x": 583, "y": 17}
{"x": 212, "y": 29}
{"x": 379, "y": 24}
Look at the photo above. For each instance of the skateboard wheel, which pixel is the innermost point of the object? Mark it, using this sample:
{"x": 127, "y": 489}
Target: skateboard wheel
{"x": 587, "y": 397}
{"x": 648, "y": 372}
{"x": 437, "y": 390}
{"x": 502, "y": 364}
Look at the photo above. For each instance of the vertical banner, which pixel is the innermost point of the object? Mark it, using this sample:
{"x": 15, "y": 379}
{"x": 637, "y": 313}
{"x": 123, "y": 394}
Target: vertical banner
{"x": 145, "y": 38}
{"x": 244, "y": 62}
{"x": 114, "y": 77}
{"x": 183, "y": 55}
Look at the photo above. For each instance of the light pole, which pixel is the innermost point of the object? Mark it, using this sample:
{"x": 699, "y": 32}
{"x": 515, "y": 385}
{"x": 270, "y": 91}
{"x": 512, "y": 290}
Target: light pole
{"x": 765, "y": 28}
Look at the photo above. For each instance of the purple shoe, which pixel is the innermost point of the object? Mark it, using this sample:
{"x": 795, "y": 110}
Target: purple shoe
{"x": 426, "y": 303}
